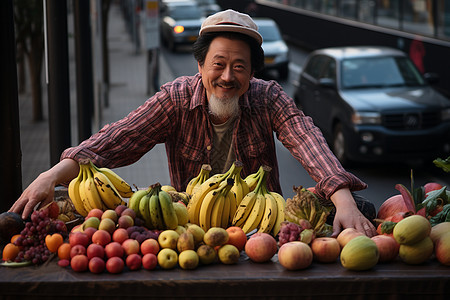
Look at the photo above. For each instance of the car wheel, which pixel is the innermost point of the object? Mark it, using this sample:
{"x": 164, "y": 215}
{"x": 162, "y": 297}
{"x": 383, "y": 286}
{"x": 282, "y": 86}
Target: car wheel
{"x": 339, "y": 145}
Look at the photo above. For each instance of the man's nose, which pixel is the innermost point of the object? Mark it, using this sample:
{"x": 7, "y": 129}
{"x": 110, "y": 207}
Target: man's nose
{"x": 228, "y": 74}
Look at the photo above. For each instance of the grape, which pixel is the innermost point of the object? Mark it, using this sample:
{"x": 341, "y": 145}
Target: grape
{"x": 289, "y": 232}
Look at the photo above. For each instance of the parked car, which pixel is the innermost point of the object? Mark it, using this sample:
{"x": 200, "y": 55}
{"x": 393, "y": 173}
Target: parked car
{"x": 276, "y": 52}
{"x": 180, "y": 22}
{"x": 208, "y": 7}
{"x": 372, "y": 104}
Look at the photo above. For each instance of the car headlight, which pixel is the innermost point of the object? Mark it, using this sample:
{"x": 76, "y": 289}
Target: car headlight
{"x": 366, "y": 118}
{"x": 445, "y": 114}
{"x": 178, "y": 29}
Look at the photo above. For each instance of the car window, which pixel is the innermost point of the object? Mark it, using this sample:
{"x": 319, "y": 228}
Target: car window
{"x": 329, "y": 69}
{"x": 185, "y": 12}
{"x": 269, "y": 33}
{"x": 315, "y": 66}
{"x": 379, "y": 72}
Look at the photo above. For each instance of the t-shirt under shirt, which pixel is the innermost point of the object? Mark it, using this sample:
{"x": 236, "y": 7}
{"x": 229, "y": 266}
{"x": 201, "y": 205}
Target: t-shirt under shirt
{"x": 222, "y": 155}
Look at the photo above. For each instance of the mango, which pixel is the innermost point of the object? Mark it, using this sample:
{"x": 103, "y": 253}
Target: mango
{"x": 361, "y": 253}
{"x": 417, "y": 253}
{"x": 411, "y": 230}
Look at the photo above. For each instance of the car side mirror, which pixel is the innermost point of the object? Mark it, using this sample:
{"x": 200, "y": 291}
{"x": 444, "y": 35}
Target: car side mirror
{"x": 431, "y": 78}
{"x": 327, "y": 82}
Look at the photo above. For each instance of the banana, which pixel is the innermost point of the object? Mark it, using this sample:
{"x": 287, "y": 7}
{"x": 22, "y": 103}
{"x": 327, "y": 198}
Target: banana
{"x": 270, "y": 214}
{"x": 255, "y": 216}
{"x": 120, "y": 184}
{"x": 233, "y": 206}
{"x": 133, "y": 203}
{"x": 226, "y": 209}
{"x": 240, "y": 187}
{"x": 82, "y": 189}
{"x": 155, "y": 212}
{"x": 207, "y": 206}
{"x": 109, "y": 194}
{"x": 195, "y": 182}
{"x": 144, "y": 209}
{"x": 170, "y": 218}
{"x": 217, "y": 210}
{"x": 74, "y": 194}
{"x": 92, "y": 194}
{"x": 243, "y": 209}
{"x": 253, "y": 179}
{"x": 281, "y": 204}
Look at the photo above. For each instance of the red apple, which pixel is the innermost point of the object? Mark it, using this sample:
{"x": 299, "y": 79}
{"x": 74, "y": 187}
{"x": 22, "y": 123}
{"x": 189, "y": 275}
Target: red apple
{"x": 114, "y": 249}
{"x": 130, "y": 246}
{"x": 90, "y": 232}
{"x": 261, "y": 247}
{"x": 236, "y": 237}
{"x": 442, "y": 249}
{"x": 96, "y": 265}
{"x": 78, "y": 238}
{"x": 115, "y": 265}
{"x": 125, "y": 221}
{"x": 101, "y": 237}
{"x": 77, "y": 250}
{"x": 431, "y": 186}
{"x": 120, "y": 235}
{"x": 387, "y": 247}
{"x": 295, "y": 255}
{"x": 119, "y": 209}
{"x": 150, "y": 246}
{"x": 134, "y": 261}
{"x": 79, "y": 263}
{"x": 325, "y": 249}
{"x": 347, "y": 235}
{"x": 95, "y": 250}
{"x": 149, "y": 261}
{"x": 95, "y": 212}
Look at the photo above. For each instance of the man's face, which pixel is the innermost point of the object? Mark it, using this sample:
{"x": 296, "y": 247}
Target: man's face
{"x": 226, "y": 72}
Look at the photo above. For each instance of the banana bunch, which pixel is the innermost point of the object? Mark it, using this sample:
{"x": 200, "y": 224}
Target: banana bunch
{"x": 155, "y": 207}
{"x": 253, "y": 179}
{"x": 260, "y": 209}
{"x": 237, "y": 190}
{"x": 194, "y": 183}
{"x": 97, "y": 188}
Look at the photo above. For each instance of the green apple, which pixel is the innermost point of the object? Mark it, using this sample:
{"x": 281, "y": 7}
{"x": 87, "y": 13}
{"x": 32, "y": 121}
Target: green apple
{"x": 167, "y": 258}
{"x": 168, "y": 239}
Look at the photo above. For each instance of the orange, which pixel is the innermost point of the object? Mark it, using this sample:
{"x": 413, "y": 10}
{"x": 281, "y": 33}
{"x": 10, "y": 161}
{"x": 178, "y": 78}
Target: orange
{"x": 14, "y": 238}
{"x": 54, "y": 241}
{"x": 10, "y": 252}
{"x": 64, "y": 251}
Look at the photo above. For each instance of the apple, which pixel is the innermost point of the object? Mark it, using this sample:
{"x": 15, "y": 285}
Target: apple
{"x": 261, "y": 247}
{"x": 79, "y": 263}
{"x": 295, "y": 255}
{"x": 133, "y": 261}
{"x": 78, "y": 238}
{"x": 129, "y": 212}
{"x": 387, "y": 247}
{"x": 168, "y": 239}
{"x": 228, "y": 254}
{"x": 197, "y": 232}
{"x": 150, "y": 246}
{"x": 96, "y": 265}
{"x": 114, "y": 249}
{"x": 120, "y": 208}
{"x": 90, "y": 232}
{"x": 130, "y": 246}
{"x": 120, "y": 235}
{"x": 115, "y": 265}
{"x": 236, "y": 237}
{"x": 188, "y": 259}
{"x": 101, "y": 237}
{"x": 442, "y": 249}
{"x": 181, "y": 212}
{"x": 167, "y": 258}
{"x": 110, "y": 214}
{"x": 325, "y": 249}
{"x": 347, "y": 235}
{"x": 215, "y": 236}
{"x": 149, "y": 261}
{"x": 77, "y": 250}
{"x": 185, "y": 242}
{"x": 438, "y": 230}
{"x": 95, "y": 212}
{"x": 107, "y": 225}
{"x": 206, "y": 254}
{"x": 125, "y": 221}
{"x": 95, "y": 250}
{"x": 431, "y": 186}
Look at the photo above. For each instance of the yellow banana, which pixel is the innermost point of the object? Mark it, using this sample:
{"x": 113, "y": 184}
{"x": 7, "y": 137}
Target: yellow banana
{"x": 92, "y": 194}
{"x": 233, "y": 206}
{"x": 195, "y": 182}
{"x": 281, "y": 204}
{"x": 255, "y": 216}
{"x": 82, "y": 189}
{"x": 109, "y": 194}
{"x": 144, "y": 210}
{"x": 120, "y": 184}
{"x": 74, "y": 194}
{"x": 217, "y": 210}
{"x": 226, "y": 209}
{"x": 133, "y": 203}
{"x": 243, "y": 209}
{"x": 155, "y": 212}
{"x": 270, "y": 214}
{"x": 240, "y": 187}
{"x": 253, "y": 179}
{"x": 170, "y": 218}
{"x": 208, "y": 204}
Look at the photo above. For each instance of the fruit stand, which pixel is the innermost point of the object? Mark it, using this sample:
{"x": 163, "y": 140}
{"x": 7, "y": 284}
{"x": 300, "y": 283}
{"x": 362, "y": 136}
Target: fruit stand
{"x": 243, "y": 280}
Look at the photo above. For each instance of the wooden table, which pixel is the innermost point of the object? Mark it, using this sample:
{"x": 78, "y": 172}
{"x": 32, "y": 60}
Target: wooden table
{"x": 246, "y": 280}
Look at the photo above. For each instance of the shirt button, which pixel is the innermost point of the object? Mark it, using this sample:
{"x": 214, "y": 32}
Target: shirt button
{"x": 208, "y": 148}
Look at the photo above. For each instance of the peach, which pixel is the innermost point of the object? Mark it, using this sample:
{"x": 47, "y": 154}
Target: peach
{"x": 387, "y": 247}
{"x": 101, "y": 237}
{"x": 120, "y": 235}
{"x": 295, "y": 255}
{"x": 95, "y": 212}
{"x": 130, "y": 246}
{"x": 96, "y": 265}
{"x": 79, "y": 263}
{"x": 95, "y": 250}
{"x": 149, "y": 261}
{"x": 114, "y": 249}
{"x": 261, "y": 247}
{"x": 347, "y": 235}
{"x": 115, "y": 265}
{"x": 125, "y": 221}
{"x": 325, "y": 249}
{"x": 150, "y": 246}
{"x": 236, "y": 237}
{"x": 78, "y": 238}
{"x": 133, "y": 261}
{"x": 77, "y": 250}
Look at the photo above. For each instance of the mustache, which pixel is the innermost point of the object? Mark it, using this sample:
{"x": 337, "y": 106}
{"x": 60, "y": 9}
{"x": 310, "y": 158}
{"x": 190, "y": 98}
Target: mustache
{"x": 223, "y": 84}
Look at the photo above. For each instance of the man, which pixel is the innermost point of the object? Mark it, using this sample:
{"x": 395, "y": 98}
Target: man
{"x": 217, "y": 116}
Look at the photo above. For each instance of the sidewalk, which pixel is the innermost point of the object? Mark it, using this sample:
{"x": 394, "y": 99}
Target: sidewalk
{"x": 127, "y": 92}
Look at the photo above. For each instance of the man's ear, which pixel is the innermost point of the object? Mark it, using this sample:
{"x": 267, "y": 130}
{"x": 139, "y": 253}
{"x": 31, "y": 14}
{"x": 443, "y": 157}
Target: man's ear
{"x": 199, "y": 68}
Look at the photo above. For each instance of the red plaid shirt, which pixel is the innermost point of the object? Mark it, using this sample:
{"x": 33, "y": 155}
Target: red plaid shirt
{"x": 178, "y": 116}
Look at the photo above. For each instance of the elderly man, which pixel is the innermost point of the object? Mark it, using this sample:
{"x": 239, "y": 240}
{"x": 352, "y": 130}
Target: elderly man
{"x": 219, "y": 115}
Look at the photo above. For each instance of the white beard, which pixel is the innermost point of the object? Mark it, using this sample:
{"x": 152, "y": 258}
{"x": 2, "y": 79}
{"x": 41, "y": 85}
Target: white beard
{"x": 223, "y": 108}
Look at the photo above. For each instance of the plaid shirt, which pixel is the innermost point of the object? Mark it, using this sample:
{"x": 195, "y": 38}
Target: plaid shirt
{"x": 178, "y": 116}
